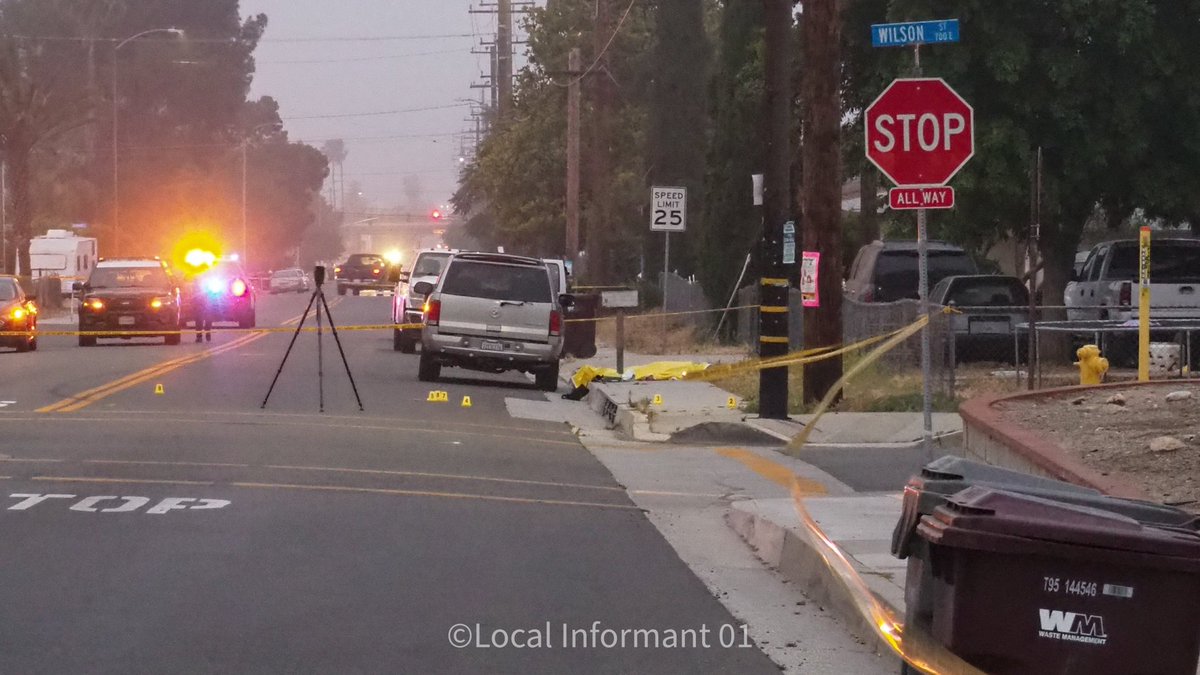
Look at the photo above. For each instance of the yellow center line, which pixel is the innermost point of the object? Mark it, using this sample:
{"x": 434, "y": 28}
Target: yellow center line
{"x": 421, "y": 474}
{"x": 439, "y": 432}
{"x": 444, "y": 495}
{"x": 773, "y": 471}
{"x": 346, "y": 489}
{"x": 85, "y": 398}
{"x": 90, "y": 479}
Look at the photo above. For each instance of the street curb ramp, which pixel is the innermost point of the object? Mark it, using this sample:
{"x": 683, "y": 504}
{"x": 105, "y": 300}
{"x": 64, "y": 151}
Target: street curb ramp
{"x": 784, "y": 550}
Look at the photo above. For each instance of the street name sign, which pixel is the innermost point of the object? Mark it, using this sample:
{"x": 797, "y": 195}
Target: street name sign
{"x": 914, "y": 33}
{"x": 921, "y": 198}
{"x": 668, "y": 209}
{"x": 919, "y": 132}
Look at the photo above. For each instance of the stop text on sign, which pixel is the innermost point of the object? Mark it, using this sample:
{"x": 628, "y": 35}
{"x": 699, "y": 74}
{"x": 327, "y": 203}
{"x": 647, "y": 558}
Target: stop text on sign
{"x": 921, "y": 198}
{"x": 919, "y": 132}
{"x": 929, "y": 132}
{"x": 114, "y": 504}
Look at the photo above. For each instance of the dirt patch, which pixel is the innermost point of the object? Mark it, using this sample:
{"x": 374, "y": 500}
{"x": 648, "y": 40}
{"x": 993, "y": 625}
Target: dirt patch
{"x": 1133, "y": 432}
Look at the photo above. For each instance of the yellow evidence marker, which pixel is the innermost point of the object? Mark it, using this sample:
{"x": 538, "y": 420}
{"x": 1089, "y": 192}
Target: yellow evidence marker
{"x": 731, "y": 403}
{"x": 158, "y": 389}
{"x": 658, "y": 399}
{"x": 466, "y": 402}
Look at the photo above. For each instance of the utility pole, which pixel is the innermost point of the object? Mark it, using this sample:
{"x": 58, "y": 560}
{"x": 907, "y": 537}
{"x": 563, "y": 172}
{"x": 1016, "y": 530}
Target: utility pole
{"x": 574, "y": 67}
{"x": 775, "y": 283}
{"x": 821, "y": 193}
{"x": 504, "y": 55}
{"x": 599, "y": 182}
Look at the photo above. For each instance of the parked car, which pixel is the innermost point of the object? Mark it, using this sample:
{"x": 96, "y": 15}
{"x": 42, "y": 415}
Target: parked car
{"x": 139, "y": 295}
{"x": 886, "y": 271}
{"x": 1105, "y": 289}
{"x": 407, "y": 303}
{"x": 290, "y": 280}
{"x": 493, "y": 312}
{"x": 17, "y": 313}
{"x": 989, "y": 309}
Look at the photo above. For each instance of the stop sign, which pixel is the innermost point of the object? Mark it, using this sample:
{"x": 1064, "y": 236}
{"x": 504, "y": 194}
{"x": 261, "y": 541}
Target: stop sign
{"x": 919, "y": 131}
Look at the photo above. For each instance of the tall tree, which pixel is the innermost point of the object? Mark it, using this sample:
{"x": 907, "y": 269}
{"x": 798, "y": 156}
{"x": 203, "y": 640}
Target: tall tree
{"x": 1105, "y": 87}
{"x": 821, "y": 194}
{"x": 678, "y": 116}
{"x": 730, "y": 225}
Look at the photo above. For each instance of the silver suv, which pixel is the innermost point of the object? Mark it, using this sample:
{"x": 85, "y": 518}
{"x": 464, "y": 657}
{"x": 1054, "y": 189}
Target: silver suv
{"x": 493, "y": 312}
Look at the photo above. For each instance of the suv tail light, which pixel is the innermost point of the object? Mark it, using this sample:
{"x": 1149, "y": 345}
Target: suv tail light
{"x": 238, "y": 288}
{"x": 555, "y": 323}
{"x": 1126, "y": 297}
{"x": 432, "y": 311}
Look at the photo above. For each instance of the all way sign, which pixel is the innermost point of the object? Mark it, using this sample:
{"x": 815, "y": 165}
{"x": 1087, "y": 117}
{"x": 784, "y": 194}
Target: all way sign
{"x": 921, "y": 198}
{"x": 914, "y": 33}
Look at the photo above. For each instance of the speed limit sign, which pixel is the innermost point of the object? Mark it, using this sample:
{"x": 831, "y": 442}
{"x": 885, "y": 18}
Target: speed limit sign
{"x": 669, "y": 209}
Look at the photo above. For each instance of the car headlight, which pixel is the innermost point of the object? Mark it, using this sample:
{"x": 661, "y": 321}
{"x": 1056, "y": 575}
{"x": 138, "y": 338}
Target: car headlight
{"x": 159, "y": 303}
{"x": 95, "y": 304}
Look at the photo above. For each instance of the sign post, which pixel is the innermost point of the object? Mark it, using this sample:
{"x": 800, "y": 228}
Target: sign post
{"x": 668, "y": 213}
{"x": 919, "y": 133}
{"x": 1144, "y": 305}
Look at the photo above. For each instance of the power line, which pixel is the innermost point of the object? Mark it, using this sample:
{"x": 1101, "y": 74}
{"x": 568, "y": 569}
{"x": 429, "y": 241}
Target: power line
{"x": 611, "y": 39}
{"x": 362, "y": 58}
{"x": 363, "y": 38}
{"x": 374, "y": 114}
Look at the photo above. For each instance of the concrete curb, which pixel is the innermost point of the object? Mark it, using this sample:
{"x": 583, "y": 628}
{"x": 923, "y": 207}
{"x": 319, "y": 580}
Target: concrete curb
{"x": 799, "y": 562}
{"x": 987, "y": 436}
{"x": 627, "y": 420}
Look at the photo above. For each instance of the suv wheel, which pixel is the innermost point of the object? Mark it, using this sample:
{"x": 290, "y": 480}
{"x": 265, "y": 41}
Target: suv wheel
{"x": 341, "y": 289}
{"x": 172, "y": 339}
{"x": 547, "y": 380}
{"x": 429, "y": 369}
{"x": 87, "y": 340}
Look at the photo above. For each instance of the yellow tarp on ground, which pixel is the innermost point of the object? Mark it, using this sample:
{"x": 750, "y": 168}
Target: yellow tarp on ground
{"x": 659, "y": 370}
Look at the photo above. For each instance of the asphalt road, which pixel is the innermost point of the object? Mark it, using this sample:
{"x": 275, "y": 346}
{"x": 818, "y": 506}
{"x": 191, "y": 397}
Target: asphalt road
{"x": 192, "y": 530}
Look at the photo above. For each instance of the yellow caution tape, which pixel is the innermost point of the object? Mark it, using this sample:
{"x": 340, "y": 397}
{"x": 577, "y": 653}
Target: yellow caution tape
{"x": 889, "y": 344}
{"x": 911, "y": 643}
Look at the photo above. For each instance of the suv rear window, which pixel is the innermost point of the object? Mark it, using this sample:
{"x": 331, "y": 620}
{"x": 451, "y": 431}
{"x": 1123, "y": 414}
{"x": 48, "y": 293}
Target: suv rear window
{"x": 896, "y": 271}
{"x": 1171, "y": 262}
{"x": 494, "y": 281}
{"x": 430, "y": 264}
{"x": 365, "y": 260}
{"x": 129, "y": 277}
{"x": 988, "y": 292}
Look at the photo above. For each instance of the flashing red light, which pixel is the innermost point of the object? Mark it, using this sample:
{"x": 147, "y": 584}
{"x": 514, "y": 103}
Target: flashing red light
{"x": 436, "y": 214}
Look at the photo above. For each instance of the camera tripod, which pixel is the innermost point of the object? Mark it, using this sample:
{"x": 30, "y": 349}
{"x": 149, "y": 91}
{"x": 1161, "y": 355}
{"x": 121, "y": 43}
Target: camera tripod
{"x": 318, "y": 294}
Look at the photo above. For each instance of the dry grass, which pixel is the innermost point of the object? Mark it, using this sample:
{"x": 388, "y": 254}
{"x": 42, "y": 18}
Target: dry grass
{"x": 656, "y": 334}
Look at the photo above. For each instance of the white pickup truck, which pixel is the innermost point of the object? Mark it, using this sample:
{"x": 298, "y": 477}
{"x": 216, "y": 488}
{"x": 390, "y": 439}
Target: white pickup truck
{"x": 1106, "y": 287}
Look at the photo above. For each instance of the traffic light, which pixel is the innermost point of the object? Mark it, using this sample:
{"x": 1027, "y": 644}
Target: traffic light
{"x": 435, "y": 214}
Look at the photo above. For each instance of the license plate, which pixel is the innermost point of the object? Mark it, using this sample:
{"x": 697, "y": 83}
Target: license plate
{"x": 126, "y": 320}
{"x": 492, "y": 346}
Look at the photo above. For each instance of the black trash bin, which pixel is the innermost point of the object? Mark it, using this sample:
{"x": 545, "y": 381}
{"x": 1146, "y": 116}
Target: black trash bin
{"x": 1023, "y": 584}
{"x": 944, "y": 477}
{"x": 579, "y": 337}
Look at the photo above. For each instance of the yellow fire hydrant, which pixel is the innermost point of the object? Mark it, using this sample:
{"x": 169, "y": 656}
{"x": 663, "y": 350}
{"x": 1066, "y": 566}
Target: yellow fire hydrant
{"x": 1092, "y": 366}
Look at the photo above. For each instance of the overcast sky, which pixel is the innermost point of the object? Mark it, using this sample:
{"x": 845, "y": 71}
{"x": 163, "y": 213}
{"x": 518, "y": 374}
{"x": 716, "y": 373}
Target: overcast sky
{"x": 312, "y": 63}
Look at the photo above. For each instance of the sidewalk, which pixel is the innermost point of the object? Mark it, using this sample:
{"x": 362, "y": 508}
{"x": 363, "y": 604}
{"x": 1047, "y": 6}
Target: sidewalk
{"x": 630, "y": 407}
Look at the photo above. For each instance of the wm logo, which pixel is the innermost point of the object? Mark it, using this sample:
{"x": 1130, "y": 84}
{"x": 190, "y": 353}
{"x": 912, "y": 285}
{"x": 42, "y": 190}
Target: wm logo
{"x": 1072, "y": 626}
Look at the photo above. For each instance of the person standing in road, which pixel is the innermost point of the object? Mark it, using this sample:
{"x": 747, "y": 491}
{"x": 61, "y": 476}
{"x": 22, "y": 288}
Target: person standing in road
{"x": 201, "y": 309}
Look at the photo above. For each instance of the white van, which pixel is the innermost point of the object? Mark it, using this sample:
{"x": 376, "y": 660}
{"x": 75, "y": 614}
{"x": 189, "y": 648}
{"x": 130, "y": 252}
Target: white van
{"x": 61, "y": 253}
